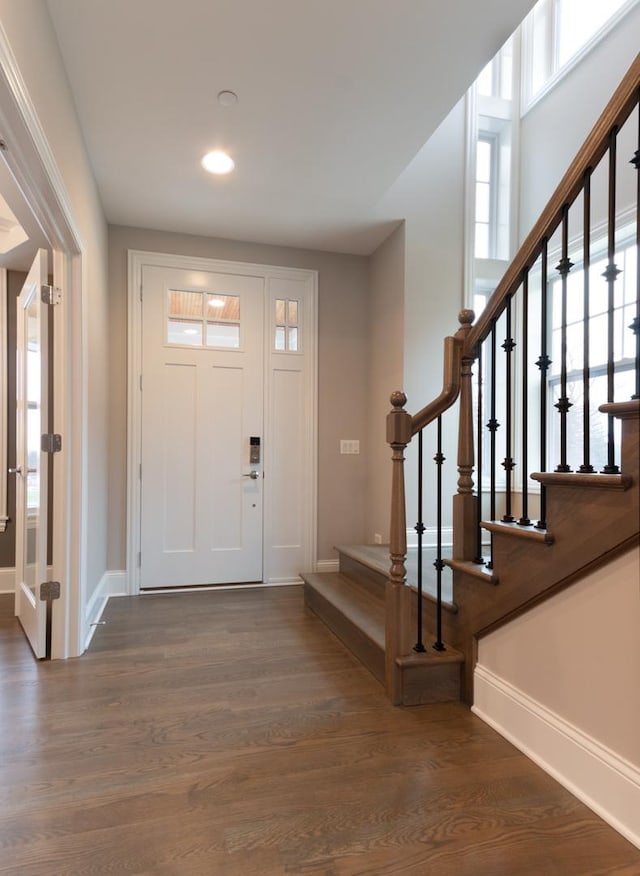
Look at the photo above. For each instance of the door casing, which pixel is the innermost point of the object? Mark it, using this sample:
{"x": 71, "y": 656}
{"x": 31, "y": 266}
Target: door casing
{"x": 27, "y": 154}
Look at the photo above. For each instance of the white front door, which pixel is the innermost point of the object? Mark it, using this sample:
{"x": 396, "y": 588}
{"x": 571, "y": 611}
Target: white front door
{"x": 31, "y": 462}
{"x": 202, "y": 428}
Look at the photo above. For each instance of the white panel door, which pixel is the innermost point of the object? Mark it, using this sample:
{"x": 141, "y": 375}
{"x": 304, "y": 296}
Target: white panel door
{"x": 31, "y": 462}
{"x": 202, "y": 405}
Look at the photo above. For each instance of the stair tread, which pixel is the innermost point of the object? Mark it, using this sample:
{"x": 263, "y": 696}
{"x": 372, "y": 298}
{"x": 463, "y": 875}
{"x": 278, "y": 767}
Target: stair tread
{"x": 476, "y": 570}
{"x": 364, "y": 611}
{"x": 594, "y": 480}
{"x": 430, "y": 657}
{"x": 542, "y": 536}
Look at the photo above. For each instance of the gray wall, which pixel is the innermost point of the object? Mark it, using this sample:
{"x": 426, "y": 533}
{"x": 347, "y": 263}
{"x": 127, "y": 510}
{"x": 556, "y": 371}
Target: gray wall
{"x": 342, "y": 373}
{"x": 385, "y": 373}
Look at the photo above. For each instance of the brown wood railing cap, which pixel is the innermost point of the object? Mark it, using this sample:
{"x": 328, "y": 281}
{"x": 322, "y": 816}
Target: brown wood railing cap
{"x": 622, "y": 410}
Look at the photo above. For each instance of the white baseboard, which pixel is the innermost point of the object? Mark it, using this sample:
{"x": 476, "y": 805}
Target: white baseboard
{"x": 327, "y": 566}
{"x": 605, "y": 782}
{"x": 111, "y": 584}
{"x": 210, "y": 588}
{"x": 7, "y": 580}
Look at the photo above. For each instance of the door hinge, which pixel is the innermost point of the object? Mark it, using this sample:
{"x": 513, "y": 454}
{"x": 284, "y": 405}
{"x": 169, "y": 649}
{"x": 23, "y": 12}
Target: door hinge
{"x": 51, "y": 442}
{"x": 50, "y": 294}
{"x": 49, "y": 590}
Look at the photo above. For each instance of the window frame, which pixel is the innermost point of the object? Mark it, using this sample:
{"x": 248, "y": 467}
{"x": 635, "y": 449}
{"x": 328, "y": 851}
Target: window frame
{"x": 555, "y": 71}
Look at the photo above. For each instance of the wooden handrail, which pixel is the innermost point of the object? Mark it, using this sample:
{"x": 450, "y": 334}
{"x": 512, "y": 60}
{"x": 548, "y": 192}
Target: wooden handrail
{"x": 595, "y": 146}
{"x": 451, "y": 381}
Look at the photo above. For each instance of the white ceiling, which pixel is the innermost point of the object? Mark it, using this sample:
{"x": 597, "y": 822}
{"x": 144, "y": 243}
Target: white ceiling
{"x": 335, "y": 99}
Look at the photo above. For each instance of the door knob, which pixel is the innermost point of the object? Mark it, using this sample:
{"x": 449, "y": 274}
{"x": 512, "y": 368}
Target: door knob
{"x": 16, "y": 470}
{"x": 252, "y": 474}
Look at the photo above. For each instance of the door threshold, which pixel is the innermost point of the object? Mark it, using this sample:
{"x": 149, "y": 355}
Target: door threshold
{"x": 253, "y": 585}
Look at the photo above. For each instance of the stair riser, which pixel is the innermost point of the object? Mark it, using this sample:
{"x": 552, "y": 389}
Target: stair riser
{"x": 368, "y": 579}
{"x": 368, "y": 652}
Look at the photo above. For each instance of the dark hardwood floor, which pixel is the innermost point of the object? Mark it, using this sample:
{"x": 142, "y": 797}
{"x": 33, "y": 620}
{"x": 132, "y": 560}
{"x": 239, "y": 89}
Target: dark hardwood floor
{"x": 229, "y": 734}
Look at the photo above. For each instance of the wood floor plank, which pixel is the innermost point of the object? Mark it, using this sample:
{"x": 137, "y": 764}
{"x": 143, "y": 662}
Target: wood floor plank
{"x": 230, "y": 734}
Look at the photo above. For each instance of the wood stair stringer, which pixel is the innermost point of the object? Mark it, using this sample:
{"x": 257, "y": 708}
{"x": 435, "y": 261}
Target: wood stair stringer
{"x": 591, "y": 518}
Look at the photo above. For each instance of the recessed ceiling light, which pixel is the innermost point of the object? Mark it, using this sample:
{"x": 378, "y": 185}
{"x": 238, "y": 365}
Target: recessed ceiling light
{"x": 218, "y": 162}
{"x": 227, "y": 98}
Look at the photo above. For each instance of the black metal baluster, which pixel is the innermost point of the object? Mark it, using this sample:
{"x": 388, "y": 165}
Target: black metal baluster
{"x": 563, "y": 404}
{"x": 524, "y": 359}
{"x": 419, "y": 528}
{"x": 508, "y": 464}
{"x": 478, "y": 557}
{"x": 611, "y": 274}
{"x": 438, "y": 563}
{"x": 586, "y": 466}
{"x": 635, "y": 325}
{"x": 543, "y": 364}
{"x": 493, "y": 425}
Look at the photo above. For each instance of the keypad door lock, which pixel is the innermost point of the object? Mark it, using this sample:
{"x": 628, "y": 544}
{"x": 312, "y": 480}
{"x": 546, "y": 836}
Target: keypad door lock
{"x": 254, "y": 450}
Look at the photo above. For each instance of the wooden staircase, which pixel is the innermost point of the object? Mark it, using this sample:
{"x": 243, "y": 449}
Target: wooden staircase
{"x": 591, "y": 518}
{"x": 587, "y": 517}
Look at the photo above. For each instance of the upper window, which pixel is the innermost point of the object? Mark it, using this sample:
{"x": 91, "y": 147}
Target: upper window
{"x": 557, "y": 33}
{"x": 491, "y": 107}
{"x": 496, "y": 80}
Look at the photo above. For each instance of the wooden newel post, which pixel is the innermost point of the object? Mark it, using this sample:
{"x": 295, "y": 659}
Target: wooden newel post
{"x": 397, "y": 616}
{"x": 465, "y": 503}
{"x": 398, "y": 436}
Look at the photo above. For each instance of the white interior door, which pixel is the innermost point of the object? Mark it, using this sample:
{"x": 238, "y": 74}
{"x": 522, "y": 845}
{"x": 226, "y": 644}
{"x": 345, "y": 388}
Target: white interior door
{"x": 202, "y": 413}
{"x": 31, "y": 462}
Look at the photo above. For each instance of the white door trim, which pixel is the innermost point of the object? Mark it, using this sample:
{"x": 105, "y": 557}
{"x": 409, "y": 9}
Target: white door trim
{"x": 31, "y": 161}
{"x": 137, "y": 259}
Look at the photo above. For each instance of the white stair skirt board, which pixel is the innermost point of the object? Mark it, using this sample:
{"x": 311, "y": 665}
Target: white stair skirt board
{"x": 7, "y": 580}
{"x": 603, "y": 781}
{"x": 111, "y": 584}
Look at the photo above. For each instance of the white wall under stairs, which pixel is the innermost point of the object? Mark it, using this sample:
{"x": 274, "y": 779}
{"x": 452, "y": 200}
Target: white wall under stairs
{"x": 562, "y": 683}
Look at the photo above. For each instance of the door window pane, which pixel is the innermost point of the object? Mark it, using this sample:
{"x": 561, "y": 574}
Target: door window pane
{"x": 199, "y": 319}
{"x": 286, "y": 337}
{"x": 223, "y": 320}
{"x": 222, "y": 334}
